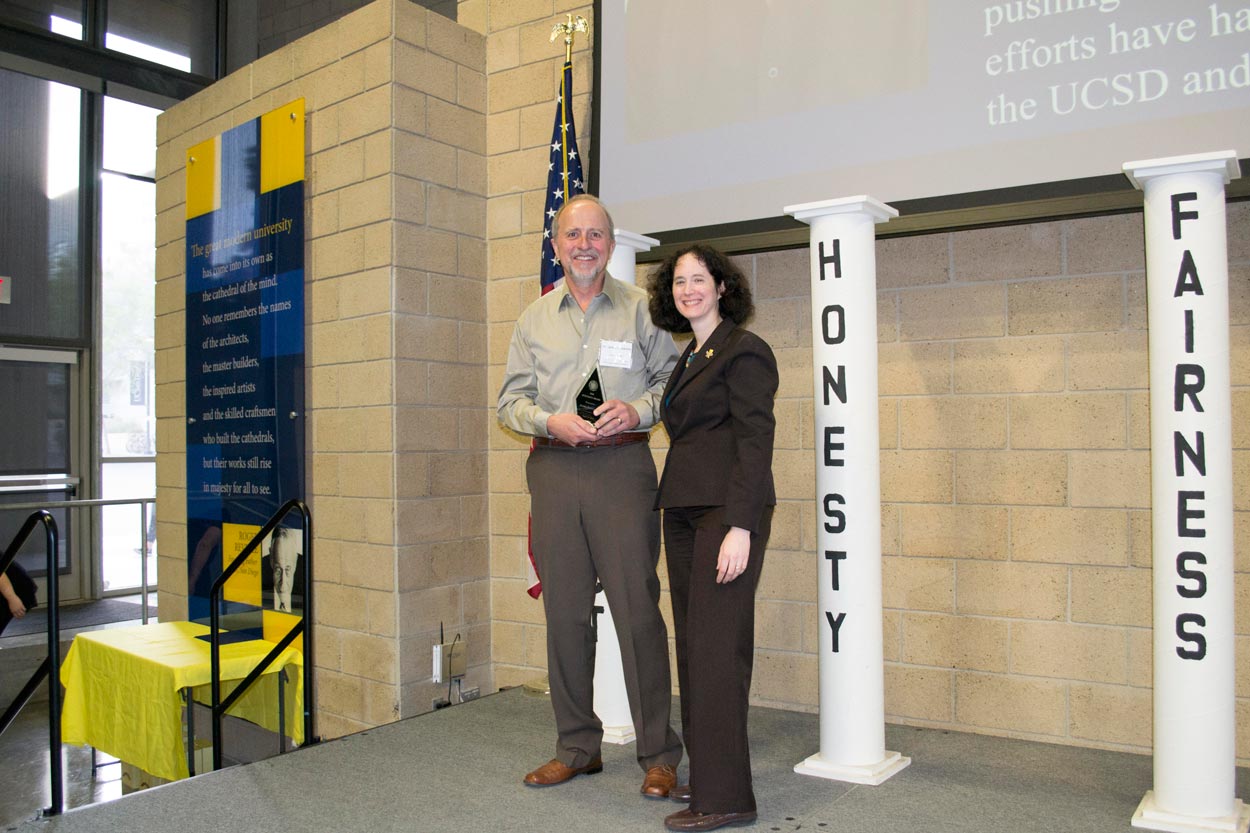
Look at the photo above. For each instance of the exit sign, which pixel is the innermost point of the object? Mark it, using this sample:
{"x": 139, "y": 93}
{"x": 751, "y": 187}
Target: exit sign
{"x": 6, "y": 290}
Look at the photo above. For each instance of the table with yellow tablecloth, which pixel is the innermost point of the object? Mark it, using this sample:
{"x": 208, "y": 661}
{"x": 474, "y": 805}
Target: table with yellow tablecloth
{"x": 124, "y": 690}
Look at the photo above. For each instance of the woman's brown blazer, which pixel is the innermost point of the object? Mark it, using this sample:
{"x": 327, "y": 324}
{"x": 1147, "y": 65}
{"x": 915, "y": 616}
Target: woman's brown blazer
{"x": 718, "y": 412}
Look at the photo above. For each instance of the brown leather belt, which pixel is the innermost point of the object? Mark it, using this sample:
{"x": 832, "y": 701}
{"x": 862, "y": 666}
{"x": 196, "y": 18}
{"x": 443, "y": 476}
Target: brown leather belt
{"x": 627, "y": 438}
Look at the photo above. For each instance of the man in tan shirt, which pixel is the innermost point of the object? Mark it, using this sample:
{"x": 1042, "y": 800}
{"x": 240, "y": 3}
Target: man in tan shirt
{"x": 592, "y": 489}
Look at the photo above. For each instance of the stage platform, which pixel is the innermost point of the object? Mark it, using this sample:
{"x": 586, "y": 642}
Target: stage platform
{"x": 461, "y": 768}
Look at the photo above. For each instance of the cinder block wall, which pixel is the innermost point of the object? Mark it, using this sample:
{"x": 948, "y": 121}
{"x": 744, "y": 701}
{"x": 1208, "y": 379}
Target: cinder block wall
{"x": 395, "y": 296}
{"x": 1015, "y": 471}
{"x": 1015, "y": 447}
{"x": 278, "y": 22}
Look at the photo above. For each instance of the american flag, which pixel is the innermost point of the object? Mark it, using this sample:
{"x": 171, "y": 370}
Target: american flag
{"x": 564, "y": 180}
{"x": 564, "y": 176}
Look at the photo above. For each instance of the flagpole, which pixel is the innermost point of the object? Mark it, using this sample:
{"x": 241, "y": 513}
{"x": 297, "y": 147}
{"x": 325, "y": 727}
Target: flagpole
{"x": 611, "y": 702}
{"x": 564, "y": 180}
{"x": 569, "y": 30}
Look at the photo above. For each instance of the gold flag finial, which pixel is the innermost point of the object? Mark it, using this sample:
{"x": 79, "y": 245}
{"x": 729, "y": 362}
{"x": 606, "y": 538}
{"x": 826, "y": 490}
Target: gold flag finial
{"x": 573, "y": 24}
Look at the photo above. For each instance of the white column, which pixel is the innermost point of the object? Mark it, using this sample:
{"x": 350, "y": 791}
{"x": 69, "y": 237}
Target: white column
{"x": 1191, "y": 495}
{"x": 611, "y": 701}
{"x": 848, "y": 491}
{"x": 624, "y": 260}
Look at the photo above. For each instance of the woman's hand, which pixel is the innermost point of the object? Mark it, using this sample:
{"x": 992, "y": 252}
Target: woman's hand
{"x": 734, "y": 552}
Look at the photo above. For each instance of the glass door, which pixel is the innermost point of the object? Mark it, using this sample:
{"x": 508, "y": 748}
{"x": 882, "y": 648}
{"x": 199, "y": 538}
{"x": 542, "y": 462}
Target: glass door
{"x": 43, "y": 320}
{"x": 37, "y": 460}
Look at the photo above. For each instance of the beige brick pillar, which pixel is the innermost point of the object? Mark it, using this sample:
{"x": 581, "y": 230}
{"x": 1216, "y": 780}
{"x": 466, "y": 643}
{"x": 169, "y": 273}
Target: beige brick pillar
{"x": 395, "y": 301}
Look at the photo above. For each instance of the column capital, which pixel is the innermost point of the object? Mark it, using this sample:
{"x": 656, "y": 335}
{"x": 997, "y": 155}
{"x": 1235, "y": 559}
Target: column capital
{"x": 862, "y": 204}
{"x": 637, "y": 242}
{"x": 624, "y": 263}
{"x": 1224, "y": 161}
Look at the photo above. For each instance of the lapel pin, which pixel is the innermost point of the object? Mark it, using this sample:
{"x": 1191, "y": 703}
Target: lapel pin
{"x": 709, "y": 353}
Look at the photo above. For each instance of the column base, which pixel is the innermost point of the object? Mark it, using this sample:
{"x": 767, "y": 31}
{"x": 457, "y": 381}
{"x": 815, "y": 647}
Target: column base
{"x": 1151, "y": 817}
{"x": 620, "y": 735}
{"x": 870, "y": 774}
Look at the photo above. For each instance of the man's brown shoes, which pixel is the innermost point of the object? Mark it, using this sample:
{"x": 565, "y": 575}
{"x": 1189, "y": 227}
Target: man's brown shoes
{"x": 553, "y": 772}
{"x": 687, "y": 820}
{"x": 659, "y": 780}
{"x": 658, "y": 783}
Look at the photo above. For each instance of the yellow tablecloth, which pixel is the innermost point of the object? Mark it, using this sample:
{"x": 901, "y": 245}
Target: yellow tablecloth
{"x": 123, "y": 690}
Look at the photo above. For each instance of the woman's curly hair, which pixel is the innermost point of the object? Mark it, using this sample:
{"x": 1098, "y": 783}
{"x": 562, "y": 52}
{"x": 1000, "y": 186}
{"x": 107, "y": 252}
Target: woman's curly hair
{"x": 735, "y": 304}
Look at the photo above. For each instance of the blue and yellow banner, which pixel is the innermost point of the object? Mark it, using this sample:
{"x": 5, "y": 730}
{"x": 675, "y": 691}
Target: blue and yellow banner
{"x": 245, "y": 365}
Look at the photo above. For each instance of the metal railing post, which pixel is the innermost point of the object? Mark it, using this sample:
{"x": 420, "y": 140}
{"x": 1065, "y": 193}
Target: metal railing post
{"x": 51, "y": 665}
{"x": 143, "y": 564}
{"x": 309, "y": 700}
{"x": 304, "y": 627}
{"x": 54, "y": 669}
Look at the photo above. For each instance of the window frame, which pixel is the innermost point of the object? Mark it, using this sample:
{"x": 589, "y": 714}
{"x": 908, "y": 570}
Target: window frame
{"x": 98, "y": 72}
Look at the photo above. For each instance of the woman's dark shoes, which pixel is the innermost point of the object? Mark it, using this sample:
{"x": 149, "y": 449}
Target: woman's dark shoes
{"x": 687, "y": 820}
{"x": 681, "y": 793}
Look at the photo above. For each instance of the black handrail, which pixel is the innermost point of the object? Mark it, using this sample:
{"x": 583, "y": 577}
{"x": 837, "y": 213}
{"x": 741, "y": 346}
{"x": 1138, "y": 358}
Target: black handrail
{"x": 52, "y": 662}
{"x": 304, "y": 626}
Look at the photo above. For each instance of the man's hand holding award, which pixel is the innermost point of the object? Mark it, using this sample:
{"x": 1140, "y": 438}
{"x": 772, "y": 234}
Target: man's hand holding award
{"x": 596, "y": 418}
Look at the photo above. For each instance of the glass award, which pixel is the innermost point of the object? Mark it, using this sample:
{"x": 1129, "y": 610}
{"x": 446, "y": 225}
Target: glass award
{"x": 590, "y": 397}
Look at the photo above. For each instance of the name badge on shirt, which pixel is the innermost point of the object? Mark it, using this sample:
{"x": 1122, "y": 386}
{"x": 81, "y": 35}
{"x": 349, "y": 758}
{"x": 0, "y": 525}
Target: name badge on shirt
{"x": 616, "y": 354}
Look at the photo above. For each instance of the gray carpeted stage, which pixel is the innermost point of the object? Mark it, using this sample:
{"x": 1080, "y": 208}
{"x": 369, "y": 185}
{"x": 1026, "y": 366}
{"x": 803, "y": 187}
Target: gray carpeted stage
{"x": 460, "y": 769}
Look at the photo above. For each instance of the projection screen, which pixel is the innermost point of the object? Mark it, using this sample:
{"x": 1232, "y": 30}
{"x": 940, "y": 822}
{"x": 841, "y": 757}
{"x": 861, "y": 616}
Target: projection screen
{"x": 723, "y": 111}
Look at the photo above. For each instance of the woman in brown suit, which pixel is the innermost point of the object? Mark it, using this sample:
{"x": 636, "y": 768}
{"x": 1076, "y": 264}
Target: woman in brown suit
{"x": 717, "y": 496}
